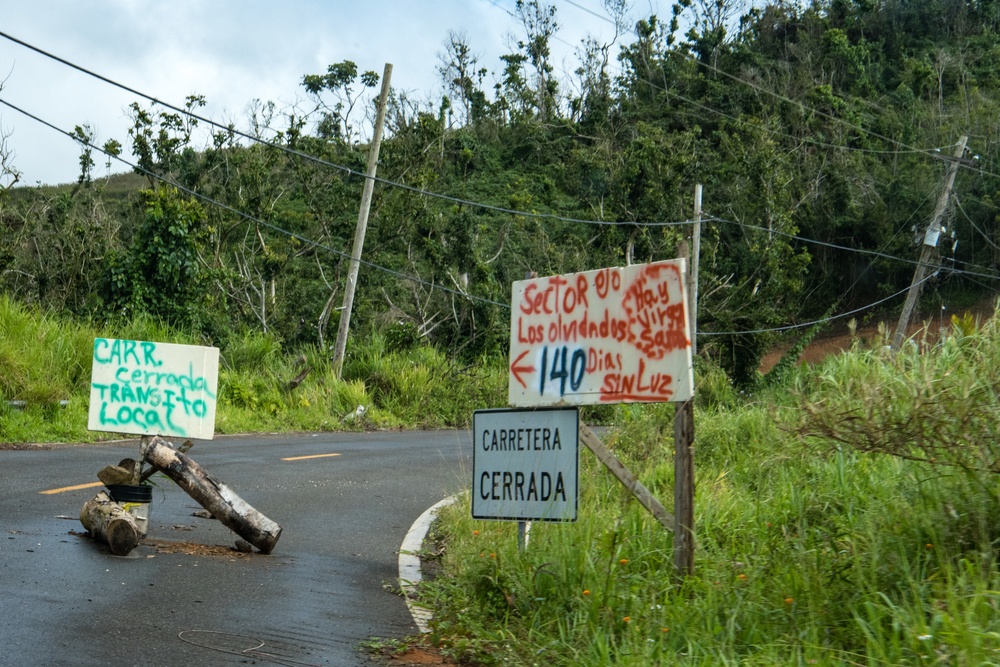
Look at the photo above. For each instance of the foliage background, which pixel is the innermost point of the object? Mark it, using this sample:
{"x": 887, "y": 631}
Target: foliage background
{"x": 816, "y": 128}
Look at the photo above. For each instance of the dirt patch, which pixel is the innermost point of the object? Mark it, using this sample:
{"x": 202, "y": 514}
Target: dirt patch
{"x": 820, "y": 348}
{"x": 418, "y": 656}
{"x": 839, "y": 339}
{"x": 192, "y": 549}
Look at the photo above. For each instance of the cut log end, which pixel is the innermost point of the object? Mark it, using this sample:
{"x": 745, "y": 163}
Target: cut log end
{"x": 109, "y": 523}
{"x": 123, "y": 536}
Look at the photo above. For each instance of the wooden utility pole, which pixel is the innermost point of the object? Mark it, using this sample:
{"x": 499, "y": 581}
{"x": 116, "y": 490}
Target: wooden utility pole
{"x": 684, "y": 424}
{"x": 928, "y": 248}
{"x": 359, "y": 234}
{"x": 693, "y": 272}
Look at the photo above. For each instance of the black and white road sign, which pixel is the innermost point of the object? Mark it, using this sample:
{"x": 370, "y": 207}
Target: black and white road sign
{"x": 524, "y": 464}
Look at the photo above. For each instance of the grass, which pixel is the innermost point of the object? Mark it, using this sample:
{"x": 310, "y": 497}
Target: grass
{"x": 46, "y": 359}
{"x": 814, "y": 547}
{"x": 809, "y": 550}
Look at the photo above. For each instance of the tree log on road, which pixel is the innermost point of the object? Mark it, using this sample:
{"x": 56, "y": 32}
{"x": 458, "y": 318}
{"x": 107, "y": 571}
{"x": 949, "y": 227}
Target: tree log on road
{"x": 231, "y": 510}
{"x": 108, "y": 522}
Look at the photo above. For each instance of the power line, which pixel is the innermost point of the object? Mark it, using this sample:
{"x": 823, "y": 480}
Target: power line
{"x": 457, "y": 200}
{"x": 986, "y": 237}
{"x": 836, "y": 246}
{"x": 590, "y": 11}
{"x": 247, "y": 216}
{"x": 814, "y": 322}
{"x": 766, "y": 91}
{"x": 931, "y": 152}
{"x": 327, "y": 163}
{"x": 408, "y": 277}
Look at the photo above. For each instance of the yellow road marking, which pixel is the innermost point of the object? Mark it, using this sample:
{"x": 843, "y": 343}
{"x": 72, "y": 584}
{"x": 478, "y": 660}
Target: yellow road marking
{"x": 93, "y": 484}
{"x": 314, "y": 456}
{"x": 72, "y": 488}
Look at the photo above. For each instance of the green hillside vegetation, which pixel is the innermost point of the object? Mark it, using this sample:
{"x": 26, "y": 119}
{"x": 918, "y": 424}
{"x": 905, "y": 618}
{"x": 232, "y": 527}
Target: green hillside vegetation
{"x": 45, "y": 366}
{"x": 817, "y": 130}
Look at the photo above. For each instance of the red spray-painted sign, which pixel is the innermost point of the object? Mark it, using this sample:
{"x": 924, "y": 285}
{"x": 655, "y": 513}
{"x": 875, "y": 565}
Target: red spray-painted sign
{"x": 608, "y": 336}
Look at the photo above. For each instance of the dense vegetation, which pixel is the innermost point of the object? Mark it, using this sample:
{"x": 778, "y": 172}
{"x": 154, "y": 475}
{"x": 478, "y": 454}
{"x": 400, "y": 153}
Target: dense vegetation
{"x": 46, "y": 364}
{"x": 810, "y": 549}
{"x": 813, "y": 127}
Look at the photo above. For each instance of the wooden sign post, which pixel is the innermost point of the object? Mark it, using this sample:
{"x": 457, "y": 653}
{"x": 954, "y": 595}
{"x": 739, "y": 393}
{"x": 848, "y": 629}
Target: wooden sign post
{"x": 614, "y": 335}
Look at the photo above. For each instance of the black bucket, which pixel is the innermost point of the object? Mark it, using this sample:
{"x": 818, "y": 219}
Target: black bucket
{"x": 125, "y": 493}
{"x": 135, "y": 500}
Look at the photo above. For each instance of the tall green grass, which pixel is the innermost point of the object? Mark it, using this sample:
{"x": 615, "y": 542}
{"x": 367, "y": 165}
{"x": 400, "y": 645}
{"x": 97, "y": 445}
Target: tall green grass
{"x": 808, "y": 552}
{"x": 45, "y": 363}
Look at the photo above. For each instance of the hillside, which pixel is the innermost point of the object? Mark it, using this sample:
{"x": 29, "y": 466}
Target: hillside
{"x": 821, "y": 135}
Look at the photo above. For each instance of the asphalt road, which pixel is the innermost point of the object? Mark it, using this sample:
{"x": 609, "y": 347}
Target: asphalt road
{"x": 183, "y": 597}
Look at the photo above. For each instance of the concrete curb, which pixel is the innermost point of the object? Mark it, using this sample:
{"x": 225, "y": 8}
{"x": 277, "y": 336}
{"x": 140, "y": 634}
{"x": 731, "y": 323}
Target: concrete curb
{"x": 410, "y": 574}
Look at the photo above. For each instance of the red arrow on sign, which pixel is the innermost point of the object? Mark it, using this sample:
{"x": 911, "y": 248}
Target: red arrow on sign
{"x": 516, "y": 370}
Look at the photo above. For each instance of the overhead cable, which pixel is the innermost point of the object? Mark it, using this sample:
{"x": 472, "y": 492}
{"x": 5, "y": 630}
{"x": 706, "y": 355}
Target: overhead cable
{"x": 347, "y": 170}
{"x": 815, "y": 322}
{"x": 247, "y": 216}
{"x": 393, "y": 272}
{"x": 835, "y": 246}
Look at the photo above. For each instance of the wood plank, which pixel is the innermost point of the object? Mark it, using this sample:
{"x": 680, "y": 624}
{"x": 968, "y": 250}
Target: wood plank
{"x": 625, "y": 476}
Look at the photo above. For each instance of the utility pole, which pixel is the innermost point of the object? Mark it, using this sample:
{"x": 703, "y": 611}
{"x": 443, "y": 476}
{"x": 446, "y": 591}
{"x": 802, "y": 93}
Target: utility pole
{"x": 928, "y": 248}
{"x": 359, "y": 233}
{"x": 693, "y": 271}
{"x": 684, "y": 423}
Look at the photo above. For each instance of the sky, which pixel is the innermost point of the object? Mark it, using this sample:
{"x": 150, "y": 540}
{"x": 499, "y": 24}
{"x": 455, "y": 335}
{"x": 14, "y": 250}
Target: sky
{"x": 232, "y": 53}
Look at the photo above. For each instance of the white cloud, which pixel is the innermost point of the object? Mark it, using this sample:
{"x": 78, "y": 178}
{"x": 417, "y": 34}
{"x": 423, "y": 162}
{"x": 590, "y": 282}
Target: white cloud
{"x": 231, "y": 52}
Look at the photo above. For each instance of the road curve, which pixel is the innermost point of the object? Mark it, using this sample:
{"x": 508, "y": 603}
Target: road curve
{"x": 184, "y": 597}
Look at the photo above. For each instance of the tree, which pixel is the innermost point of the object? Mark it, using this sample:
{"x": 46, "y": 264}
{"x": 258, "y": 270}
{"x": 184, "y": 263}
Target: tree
{"x": 540, "y": 25}
{"x": 339, "y": 83}
{"x": 462, "y": 78}
{"x": 159, "y": 137}
{"x": 9, "y": 175}
{"x": 710, "y": 24}
{"x": 595, "y": 99}
{"x": 160, "y": 272}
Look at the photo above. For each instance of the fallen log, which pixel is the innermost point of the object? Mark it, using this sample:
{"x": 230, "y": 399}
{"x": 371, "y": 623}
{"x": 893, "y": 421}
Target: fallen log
{"x": 224, "y": 504}
{"x": 109, "y": 523}
{"x": 152, "y": 471}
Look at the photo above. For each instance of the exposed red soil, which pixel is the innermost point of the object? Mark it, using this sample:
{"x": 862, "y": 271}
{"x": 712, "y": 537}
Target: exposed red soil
{"x": 419, "y": 657}
{"x": 840, "y": 338}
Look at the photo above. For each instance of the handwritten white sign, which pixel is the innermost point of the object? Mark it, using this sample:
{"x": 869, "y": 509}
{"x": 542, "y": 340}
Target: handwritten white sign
{"x": 613, "y": 335}
{"x": 150, "y": 388}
